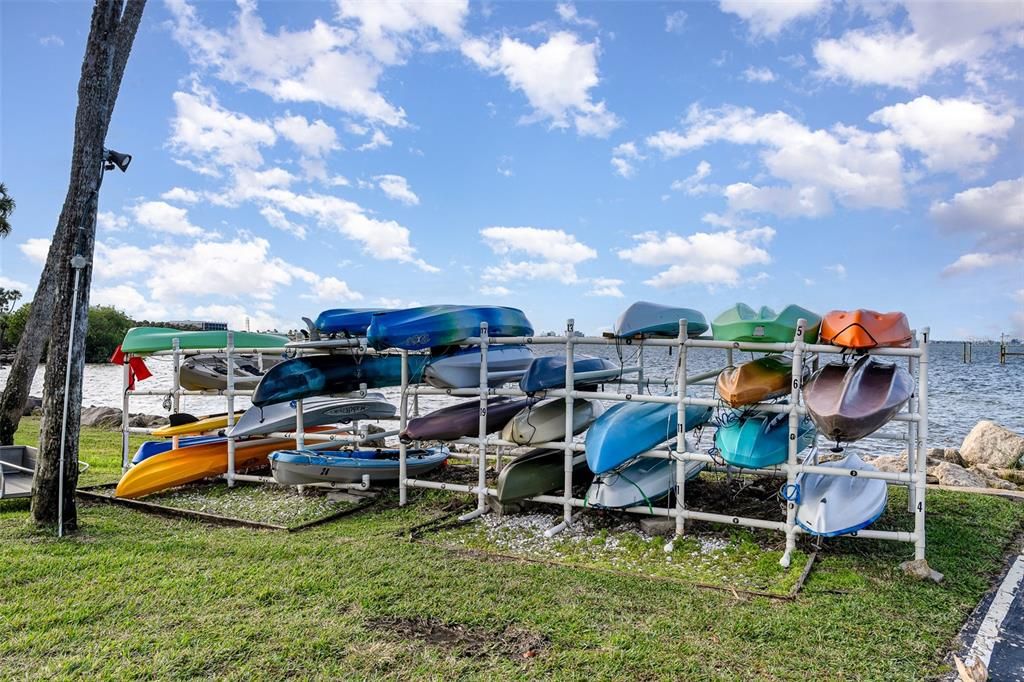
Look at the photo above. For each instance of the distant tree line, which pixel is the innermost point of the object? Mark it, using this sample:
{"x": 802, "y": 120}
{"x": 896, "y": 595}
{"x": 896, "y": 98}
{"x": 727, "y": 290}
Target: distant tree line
{"x": 107, "y": 327}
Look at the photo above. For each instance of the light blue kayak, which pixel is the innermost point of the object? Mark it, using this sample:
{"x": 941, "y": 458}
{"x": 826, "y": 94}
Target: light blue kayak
{"x": 838, "y": 505}
{"x": 548, "y": 372}
{"x": 644, "y": 481}
{"x": 629, "y": 429}
{"x": 653, "y": 319}
{"x": 347, "y": 321}
{"x": 761, "y": 439}
{"x": 443, "y": 325}
{"x": 302, "y": 467}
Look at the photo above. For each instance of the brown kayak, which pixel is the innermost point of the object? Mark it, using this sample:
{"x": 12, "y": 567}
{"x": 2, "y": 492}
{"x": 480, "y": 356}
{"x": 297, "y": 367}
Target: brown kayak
{"x": 865, "y": 329}
{"x": 754, "y": 381}
{"x": 849, "y": 402}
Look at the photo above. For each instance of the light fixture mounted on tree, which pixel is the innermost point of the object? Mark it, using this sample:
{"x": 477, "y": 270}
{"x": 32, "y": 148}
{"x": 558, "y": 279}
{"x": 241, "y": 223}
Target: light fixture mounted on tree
{"x": 112, "y": 160}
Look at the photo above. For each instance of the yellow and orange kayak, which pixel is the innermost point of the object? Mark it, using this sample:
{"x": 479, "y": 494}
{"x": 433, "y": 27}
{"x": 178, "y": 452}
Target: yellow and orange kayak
{"x": 754, "y": 381}
{"x": 862, "y": 328}
{"x": 195, "y": 462}
{"x": 202, "y": 425}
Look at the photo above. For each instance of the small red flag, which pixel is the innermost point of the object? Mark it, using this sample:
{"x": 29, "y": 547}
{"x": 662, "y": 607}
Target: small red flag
{"x": 118, "y": 357}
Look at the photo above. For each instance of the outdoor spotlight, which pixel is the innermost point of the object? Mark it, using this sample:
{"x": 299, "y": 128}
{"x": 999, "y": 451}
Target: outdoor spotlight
{"x": 112, "y": 159}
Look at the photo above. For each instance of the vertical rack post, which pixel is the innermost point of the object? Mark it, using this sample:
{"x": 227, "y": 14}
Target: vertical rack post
{"x": 403, "y": 419}
{"x": 679, "y": 463}
{"x": 300, "y": 426}
{"x": 912, "y": 429}
{"x": 176, "y": 383}
{"x": 125, "y": 397}
{"x": 922, "y": 450}
{"x": 569, "y": 452}
{"x": 231, "y": 408}
{"x": 794, "y": 442}
{"x": 640, "y": 372}
{"x": 481, "y": 458}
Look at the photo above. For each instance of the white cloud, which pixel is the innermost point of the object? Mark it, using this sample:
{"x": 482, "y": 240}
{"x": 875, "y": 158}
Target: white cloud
{"x": 377, "y": 140}
{"x": 216, "y": 136}
{"x": 108, "y": 221}
{"x": 606, "y": 286}
{"x": 276, "y": 218}
{"x": 837, "y": 269}
{"x": 35, "y": 249}
{"x": 951, "y": 134}
{"x": 495, "y": 290}
{"x": 239, "y": 317}
{"x": 710, "y": 258}
{"x": 397, "y": 187}
{"x": 977, "y": 261}
{"x": 767, "y": 18}
{"x": 181, "y": 194}
{"x": 760, "y": 74}
{"x": 623, "y": 167}
{"x": 128, "y": 299}
{"x": 314, "y": 139}
{"x": 675, "y": 22}
{"x": 318, "y": 65}
{"x": 567, "y": 13}
{"x": 809, "y": 201}
{"x": 333, "y": 290}
{"x": 623, "y": 157}
{"x": 52, "y": 40}
{"x": 162, "y": 217}
{"x": 9, "y": 283}
{"x": 118, "y": 261}
{"x": 693, "y": 184}
{"x": 387, "y": 29}
{"x": 940, "y": 35}
{"x": 994, "y": 215}
{"x": 554, "y": 253}
{"x": 556, "y": 77}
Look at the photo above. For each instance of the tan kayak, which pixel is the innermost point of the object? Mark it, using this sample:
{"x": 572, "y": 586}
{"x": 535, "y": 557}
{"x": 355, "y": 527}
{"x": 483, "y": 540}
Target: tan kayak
{"x": 754, "y": 381}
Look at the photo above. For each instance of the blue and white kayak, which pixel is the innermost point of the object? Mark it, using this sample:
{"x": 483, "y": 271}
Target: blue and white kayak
{"x": 643, "y": 482}
{"x": 761, "y": 439}
{"x": 653, "y": 319}
{"x": 839, "y": 505}
{"x": 303, "y": 467}
{"x": 155, "y": 447}
{"x": 443, "y": 325}
{"x": 548, "y": 372}
{"x": 346, "y": 321}
{"x": 631, "y": 428}
{"x": 461, "y": 369}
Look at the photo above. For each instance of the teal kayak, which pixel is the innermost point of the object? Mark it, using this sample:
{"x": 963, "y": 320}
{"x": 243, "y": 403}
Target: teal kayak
{"x": 743, "y": 323}
{"x": 761, "y": 439}
{"x": 140, "y": 340}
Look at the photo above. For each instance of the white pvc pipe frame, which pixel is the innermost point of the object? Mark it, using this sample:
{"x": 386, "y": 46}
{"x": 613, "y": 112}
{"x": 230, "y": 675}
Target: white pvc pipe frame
{"x": 915, "y": 417}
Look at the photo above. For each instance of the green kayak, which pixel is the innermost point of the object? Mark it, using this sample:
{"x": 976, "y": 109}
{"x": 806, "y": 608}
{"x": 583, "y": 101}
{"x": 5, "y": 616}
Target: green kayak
{"x": 151, "y": 339}
{"x": 743, "y": 323}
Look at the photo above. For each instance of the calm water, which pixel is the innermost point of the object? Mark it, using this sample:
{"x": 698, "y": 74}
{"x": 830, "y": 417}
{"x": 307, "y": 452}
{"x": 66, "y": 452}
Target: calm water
{"x": 960, "y": 394}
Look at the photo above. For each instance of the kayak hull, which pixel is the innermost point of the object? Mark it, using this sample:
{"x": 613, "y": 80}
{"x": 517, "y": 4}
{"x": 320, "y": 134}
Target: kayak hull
{"x": 461, "y": 369}
{"x": 849, "y": 402}
{"x": 838, "y": 505}
{"x": 545, "y": 422}
{"x": 443, "y": 325}
{"x": 315, "y": 412}
{"x": 305, "y": 467}
{"x": 629, "y": 429}
{"x": 140, "y": 340}
{"x": 744, "y": 324}
{"x": 156, "y": 447}
{"x": 861, "y": 329}
{"x": 755, "y": 381}
{"x": 652, "y": 319}
{"x": 203, "y": 425}
{"x": 536, "y": 473}
{"x": 346, "y": 321}
{"x": 457, "y": 421}
{"x": 315, "y": 375}
{"x": 644, "y": 481}
{"x": 548, "y": 372}
{"x": 760, "y": 440}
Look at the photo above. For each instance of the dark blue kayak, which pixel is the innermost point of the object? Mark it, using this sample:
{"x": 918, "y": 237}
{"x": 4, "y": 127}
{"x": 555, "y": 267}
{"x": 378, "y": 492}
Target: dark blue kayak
{"x": 312, "y": 375}
{"x": 548, "y": 372}
{"x": 629, "y": 429}
{"x": 443, "y": 325}
{"x": 346, "y": 321}
{"x": 155, "y": 447}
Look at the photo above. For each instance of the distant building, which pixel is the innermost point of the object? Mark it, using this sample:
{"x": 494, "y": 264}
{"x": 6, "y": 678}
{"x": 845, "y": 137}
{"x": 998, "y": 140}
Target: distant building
{"x": 198, "y": 325}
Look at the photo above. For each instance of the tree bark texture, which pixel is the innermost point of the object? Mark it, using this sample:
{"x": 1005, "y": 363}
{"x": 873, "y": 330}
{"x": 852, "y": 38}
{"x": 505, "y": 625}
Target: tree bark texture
{"x": 111, "y": 35}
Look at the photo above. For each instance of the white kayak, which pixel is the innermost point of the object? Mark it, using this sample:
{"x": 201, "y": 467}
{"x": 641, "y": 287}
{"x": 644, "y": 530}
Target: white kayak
{"x": 640, "y": 483}
{"x": 461, "y": 369}
{"x": 838, "y": 505}
{"x": 545, "y": 422}
{"x": 315, "y": 412}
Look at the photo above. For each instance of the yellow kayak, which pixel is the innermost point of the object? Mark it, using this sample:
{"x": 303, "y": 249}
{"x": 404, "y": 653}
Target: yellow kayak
{"x": 202, "y": 425}
{"x": 195, "y": 462}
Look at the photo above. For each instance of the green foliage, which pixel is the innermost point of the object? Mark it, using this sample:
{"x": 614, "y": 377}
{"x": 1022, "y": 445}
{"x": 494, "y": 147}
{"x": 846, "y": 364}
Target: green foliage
{"x": 7, "y": 207}
{"x": 107, "y": 327}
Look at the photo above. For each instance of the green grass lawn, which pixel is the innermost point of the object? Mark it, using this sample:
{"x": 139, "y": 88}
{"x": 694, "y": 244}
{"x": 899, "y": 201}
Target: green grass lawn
{"x": 138, "y": 596}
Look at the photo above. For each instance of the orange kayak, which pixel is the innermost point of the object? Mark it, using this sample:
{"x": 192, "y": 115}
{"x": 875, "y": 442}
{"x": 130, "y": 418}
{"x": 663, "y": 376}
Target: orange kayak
{"x": 865, "y": 329}
{"x": 196, "y": 462}
{"x": 754, "y": 381}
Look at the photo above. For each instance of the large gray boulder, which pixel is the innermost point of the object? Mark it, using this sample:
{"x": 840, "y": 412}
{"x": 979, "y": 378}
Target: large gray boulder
{"x": 990, "y": 444}
{"x": 955, "y": 475}
{"x": 101, "y": 417}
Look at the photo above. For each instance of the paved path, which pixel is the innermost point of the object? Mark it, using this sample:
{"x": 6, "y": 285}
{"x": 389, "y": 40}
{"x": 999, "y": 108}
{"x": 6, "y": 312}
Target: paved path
{"x": 995, "y": 631}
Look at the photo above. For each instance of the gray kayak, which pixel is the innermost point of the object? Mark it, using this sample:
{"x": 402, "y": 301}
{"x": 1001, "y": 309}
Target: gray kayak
{"x": 538, "y": 472}
{"x": 210, "y": 372}
{"x": 545, "y": 422}
{"x": 462, "y": 368}
{"x": 653, "y": 319}
{"x": 838, "y": 505}
{"x": 304, "y": 467}
{"x": 642, "y": 482}
{"x": 315, "y": 412}
{"x": 849, "y": 402}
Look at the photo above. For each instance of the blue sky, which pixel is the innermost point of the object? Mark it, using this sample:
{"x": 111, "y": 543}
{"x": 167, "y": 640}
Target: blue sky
{"x": 565, "y": 159}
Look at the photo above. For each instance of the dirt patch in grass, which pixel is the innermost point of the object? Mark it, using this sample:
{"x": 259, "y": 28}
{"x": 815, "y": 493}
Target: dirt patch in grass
{"x": 512, "y": 642}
